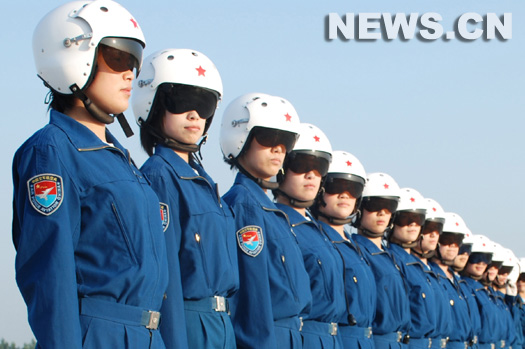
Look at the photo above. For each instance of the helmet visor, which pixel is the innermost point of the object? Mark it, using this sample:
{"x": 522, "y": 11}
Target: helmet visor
{"x": 304, "y": 163}
{"x": 404, "y": 218}
{"x": 376, "y": 204}
{"x": 340, "y": 185}
{"x": 184, "y": 98}
{"x": 479, "y": 257}
{"x": 271, "y": 137}
{"x": 450, "y": 239}
{"x": 465, "y": 248}
{"x": 121, "y": 54}
{"x": 431, "y": 226}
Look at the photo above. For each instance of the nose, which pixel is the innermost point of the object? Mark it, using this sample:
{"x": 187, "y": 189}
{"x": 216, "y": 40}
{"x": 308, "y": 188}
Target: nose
{"x": 312, "y": 174}
{"x": 279, "y": 149}
{"x": 129, "y": 75}
{"x": 192, "y": 115}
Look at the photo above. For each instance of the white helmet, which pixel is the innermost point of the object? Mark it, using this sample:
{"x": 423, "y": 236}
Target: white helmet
{"x": 481, "y": 244}
{"x": 499, "y": 253}
{"x": 312, "y": 139}
{"x": 411, "y": 200}
{"x": 175, "y": 66}
{"x": 435, "y": 212}
{"x": 65, "y": 41}
{"x": 347, "y": 166}
{"x": 254, "y": 110}
{"x": 454, "y": 224}
{"x": 380, "y": 184}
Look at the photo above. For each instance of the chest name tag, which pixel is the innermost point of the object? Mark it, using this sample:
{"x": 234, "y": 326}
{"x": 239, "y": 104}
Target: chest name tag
{"x": 250, "y": 240}
{"x": 45, "y": 192}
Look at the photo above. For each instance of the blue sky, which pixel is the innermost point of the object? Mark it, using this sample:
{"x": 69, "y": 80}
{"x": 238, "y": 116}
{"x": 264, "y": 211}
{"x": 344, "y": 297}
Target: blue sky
{"x": 442, "y": 117}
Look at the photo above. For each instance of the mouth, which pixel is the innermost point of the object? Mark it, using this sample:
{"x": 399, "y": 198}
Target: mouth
{"x": 193, "y": 128}
{"x": 276, "y": 161}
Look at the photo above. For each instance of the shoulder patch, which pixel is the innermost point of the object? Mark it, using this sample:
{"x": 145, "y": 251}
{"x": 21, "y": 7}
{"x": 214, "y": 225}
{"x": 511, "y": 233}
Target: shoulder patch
{"x": 45, "y": 192}
{"x": 250, "y": 240}
{"x": 164, "y": 215}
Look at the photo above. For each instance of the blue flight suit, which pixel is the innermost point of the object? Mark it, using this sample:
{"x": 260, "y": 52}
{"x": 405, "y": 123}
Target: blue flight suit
{"x": 517, "y": 309}
{"x": 274, "y": 286}
{"x": 428, "y": 313}
{"x": 460, "y": 330}
{"x": 202, "y": 252}
{"x": 509, "y": 330}
{"x": 91, "y": 257}
{"x": 474, "y": 314}
{"x": 361, "y": 294}
{"x": 325, "y": 269}
{"x": 491, "y": 325}
{"x": 392, "y": 321}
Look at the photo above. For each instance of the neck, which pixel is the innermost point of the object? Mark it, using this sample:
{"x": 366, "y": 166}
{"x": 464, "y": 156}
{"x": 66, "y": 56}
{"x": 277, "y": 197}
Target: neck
{"x": 376, "y": 240}
{"x": 285, "y": 201}
{"x": 338, "y": 228}
{"x": 443, "y": 267}
{"x": 81, "y": 115}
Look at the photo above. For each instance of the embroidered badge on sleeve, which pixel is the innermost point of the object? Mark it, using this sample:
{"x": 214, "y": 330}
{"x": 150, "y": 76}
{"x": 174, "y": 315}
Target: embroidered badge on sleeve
{"x": 164, "y": 215}
{"x": 45, "y": 192}
{"x": 250, "y": 240}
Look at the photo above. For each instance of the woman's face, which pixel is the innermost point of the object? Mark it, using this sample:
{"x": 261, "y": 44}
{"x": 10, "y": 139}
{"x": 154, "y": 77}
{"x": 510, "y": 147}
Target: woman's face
{"x": 263, "y": 162}
{"x": 110, "y": 90}
{"x": 376, "y": 222}
{"x": 448, "y": 252}
{"x": 301, "y": 186}
{"x": 408, "y": 233}
{"x": 461, "y": 260}
{"x": 476, "y": 269}
{"x": 187, "y": 127}
{"x": 429, "y": 241}
{"x": 339, "y": 206}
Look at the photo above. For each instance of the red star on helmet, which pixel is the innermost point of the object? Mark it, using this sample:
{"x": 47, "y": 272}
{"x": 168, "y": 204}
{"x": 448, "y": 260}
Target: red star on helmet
{"x": 457, "y": 224}
{"x": 434, "y": 209}
{"x": 288, "y": 117}
{"x": 317, "y": 139}
{"x": 348, "y": 163}
{"x": 135, "y": 24}
{"x": 412, "y": 199}
{"x": 386, "y": 186}
{"x": 201, "y": 71}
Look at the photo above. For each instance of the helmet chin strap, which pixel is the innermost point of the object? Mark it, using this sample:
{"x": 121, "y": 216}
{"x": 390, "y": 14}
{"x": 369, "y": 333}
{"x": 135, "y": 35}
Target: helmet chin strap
{"x": 260, "y": 182}
{"x": 370, "y": 234}
{"x": 336, "y": 221}
{"x": 173, "y": 143}
{"x": 100, "y": 115}
{"x": 295, "y": 202}
{"x": 403, "y": 244}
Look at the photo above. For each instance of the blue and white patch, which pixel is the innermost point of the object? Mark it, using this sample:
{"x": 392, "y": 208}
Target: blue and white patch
{"x": 164, "y": 215}
{"x": 250, "y": 240}
{"x": 45, "y": 192}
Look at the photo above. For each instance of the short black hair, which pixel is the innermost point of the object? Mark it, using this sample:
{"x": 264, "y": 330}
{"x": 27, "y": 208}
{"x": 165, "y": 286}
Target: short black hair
{"x": 147, "y": 139}
{"x": 60, "y": 102}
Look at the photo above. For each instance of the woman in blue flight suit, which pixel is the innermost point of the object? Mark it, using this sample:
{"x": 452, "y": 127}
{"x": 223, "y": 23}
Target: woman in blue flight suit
{"x": 477, "y": 264}
{"x": 499, "y": 289}
{"x": 303, "y": 169}
{"x": 335, "y": 208}
{"x": 392, "y": 321}
{"x": 174, "y": 103}
{"x": 453, "y": 231}
{"x": 91, "y": 259}
{"x": 429, "y": 308}
{"x": 256, "y": 133}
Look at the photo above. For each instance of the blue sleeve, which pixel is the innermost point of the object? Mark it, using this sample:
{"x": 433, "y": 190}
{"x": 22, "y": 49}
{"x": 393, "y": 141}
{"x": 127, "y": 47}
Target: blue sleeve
{"x": 252, "y": 313}
{"x": 173, "y": 325}
{"x": 45, "y": 244}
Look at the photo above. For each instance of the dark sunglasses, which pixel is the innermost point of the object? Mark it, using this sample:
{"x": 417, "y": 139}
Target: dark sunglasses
{"x": 404, "y": 218}
{"x": 465, "y": 248}
{"x": 304, "y": 163}
{"x": 495, "y": 264}
{"x": 478, "y": 257}
{"x": 340, "y": 185}
{"x": 505, "y": 269}
{"x": 450, "y": 239}
{"x": 117, "y": 60}
{"x": 375, "y": 204}
{"x": 430, "y": 227}
{"x": 271, "y": 137}
{"x": 184, "y": 98}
